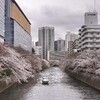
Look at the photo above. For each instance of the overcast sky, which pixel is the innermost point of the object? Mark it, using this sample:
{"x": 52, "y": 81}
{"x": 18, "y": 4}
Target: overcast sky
{"x": 64, "y": 15}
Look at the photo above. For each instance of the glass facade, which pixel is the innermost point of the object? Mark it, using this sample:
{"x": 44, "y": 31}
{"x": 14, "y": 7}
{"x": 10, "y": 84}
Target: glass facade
{"x": 9, "y": 32}
{"x": 2, "y": 20}
{"x": 22, "y": 38}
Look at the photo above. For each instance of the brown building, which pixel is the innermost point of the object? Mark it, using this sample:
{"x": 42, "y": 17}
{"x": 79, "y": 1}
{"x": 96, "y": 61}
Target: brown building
{"x": 17, "y": 26}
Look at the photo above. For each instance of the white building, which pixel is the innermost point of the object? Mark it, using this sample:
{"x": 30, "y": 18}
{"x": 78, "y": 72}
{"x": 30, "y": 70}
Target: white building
{"x": 75, "y": 45}
{"x": 70, "y": 47}
{"x": 56, "y": 55}
{"x": 46, "y": 40}
{"x": 69, "y": 39}
{"x": 38, "y": 50}
{"x": 89, "y": 34}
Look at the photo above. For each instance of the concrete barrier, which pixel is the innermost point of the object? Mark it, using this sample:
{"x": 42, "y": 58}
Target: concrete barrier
{"x": 4, "y": 85}
{"x": 89, "y": 79}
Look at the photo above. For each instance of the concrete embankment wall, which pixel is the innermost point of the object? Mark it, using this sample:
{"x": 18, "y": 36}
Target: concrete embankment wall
{"x": 4, "y": 85}
{"x": 89, "y": 79}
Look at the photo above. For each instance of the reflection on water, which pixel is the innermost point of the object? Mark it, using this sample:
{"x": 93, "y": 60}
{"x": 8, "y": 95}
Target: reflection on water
{"x": 61, "y": 87}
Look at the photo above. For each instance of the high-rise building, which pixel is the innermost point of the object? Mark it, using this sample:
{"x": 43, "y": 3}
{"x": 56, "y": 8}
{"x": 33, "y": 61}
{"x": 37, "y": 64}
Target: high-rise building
{"x": 70, "y": 47}
{"x": 89, "y": 34}
{"x": 60, "y": 45}
{"x": 46, "y": 40}
{"x": 69, "y": 38}
{"x": 2, "y": 20}
{"x": 15, "y": 28}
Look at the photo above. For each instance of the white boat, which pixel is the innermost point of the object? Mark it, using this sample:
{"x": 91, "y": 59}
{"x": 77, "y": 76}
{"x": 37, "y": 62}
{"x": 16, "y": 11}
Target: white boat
{"x": 45, "y": 80}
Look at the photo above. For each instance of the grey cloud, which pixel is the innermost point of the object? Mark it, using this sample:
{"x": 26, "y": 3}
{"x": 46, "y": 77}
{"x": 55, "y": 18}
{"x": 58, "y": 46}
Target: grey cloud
{"x": 64, "y": 15}
{"x": 63, "y": 20}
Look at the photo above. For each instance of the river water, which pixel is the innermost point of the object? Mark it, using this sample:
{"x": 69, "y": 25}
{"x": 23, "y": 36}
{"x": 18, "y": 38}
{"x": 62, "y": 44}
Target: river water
{"x": 61, "y": 87}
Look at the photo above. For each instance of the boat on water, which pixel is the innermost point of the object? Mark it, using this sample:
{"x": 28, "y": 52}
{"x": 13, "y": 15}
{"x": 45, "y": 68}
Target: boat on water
{"x": 45, "y": 80}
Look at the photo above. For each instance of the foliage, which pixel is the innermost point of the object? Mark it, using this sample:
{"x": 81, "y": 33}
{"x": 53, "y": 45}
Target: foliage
{"x": 87, "y": 62}
{"x": 33, "y": 51}
{"x": 5, "y": 72}
{"x": 18, "y": 65}
{"x": 45, "y": 64}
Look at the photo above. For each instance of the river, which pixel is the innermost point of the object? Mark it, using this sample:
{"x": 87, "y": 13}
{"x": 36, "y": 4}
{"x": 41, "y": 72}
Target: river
{"x": 61, "y": 87}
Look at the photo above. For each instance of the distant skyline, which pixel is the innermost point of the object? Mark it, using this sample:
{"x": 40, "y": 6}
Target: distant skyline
{"x": 64, "y": 15}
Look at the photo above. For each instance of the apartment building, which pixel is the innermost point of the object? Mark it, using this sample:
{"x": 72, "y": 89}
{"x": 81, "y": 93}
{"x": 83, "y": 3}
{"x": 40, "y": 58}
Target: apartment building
{"x": 89, "y": 34}
{"x": 75, "y": 45}
{"x": 69, "y": 41}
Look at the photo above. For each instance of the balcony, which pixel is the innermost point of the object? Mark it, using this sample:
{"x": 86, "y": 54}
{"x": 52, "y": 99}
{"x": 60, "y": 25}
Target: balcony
{"x": 90, "y": 31}
{"x": 86, "y": 41}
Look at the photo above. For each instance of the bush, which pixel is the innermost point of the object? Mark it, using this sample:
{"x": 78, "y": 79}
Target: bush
{"x": 33, "y": 51}
{"x": 5, "y": 72}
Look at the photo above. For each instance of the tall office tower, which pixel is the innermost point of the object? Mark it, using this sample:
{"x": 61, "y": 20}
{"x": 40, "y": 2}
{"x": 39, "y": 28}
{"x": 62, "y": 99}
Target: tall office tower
{"x": 89, "y": 34}
{"x": 69, "y": 37}
{"x": 60, "y": 45}
{"x": 2, "y": 20}
{"x": 91, "y": 18}
{"x": 46, "y": 40}
{"x": 17, "y": 26}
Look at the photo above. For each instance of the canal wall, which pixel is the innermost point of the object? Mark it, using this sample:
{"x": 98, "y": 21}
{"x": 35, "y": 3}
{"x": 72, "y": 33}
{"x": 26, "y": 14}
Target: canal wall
{"x": 89, "y": 79}
{"x": 4, "y": 86}
{"x": 84, "y": 66}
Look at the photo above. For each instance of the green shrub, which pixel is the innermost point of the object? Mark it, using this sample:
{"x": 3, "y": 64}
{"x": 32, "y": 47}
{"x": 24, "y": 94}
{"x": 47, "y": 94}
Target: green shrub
{"x": 5, "y": 72}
